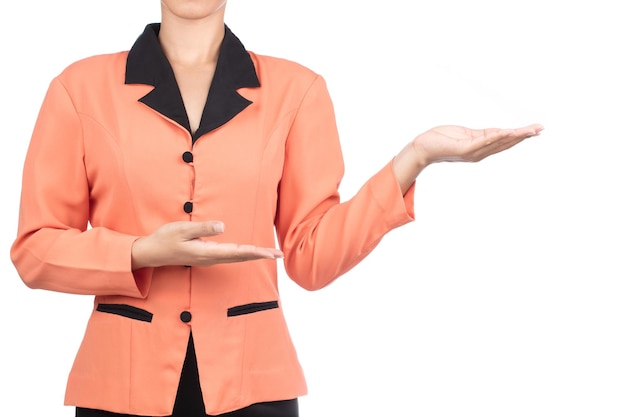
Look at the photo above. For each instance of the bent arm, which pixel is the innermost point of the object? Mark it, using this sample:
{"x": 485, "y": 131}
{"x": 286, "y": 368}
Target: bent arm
{"x": 323, "y": 238}
{"x": 54, "y": 248}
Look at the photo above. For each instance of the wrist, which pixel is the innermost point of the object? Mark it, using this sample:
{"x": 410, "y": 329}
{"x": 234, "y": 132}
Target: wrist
{"x": 407, "y": 165}
{"x": 139, "y": 254}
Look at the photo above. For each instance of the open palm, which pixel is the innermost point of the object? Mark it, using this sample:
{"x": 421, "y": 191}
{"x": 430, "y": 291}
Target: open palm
{"x": 458, "y": 143}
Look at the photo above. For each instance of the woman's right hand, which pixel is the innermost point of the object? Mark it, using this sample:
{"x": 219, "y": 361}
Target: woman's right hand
{"x": 181, "y": 243}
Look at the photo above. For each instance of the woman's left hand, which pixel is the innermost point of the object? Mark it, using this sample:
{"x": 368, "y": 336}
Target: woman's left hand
{"x": 455, "y": 144}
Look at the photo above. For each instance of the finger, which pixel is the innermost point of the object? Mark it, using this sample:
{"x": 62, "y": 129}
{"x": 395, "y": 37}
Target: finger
{"x": 489, "y": 141}
{"x": 535, "y": 127}
{"x": 495, "y": 136}
{"x": 527, "y": 131}
{"x": 502, "y": 146}
{"x": 194, "y": 230}
{"x": 497, "y": 147}
{"x": 255, "y": 251}
{"x": 487, "y": 133}
{"x": 494, "y": 133}
{"x": 486, "y": 138}
{"x": 213, "y": 253}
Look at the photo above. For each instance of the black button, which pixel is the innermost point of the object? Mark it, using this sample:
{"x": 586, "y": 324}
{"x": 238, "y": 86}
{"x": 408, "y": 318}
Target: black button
{"x": 187, "y": 157}
{"x": 188, "y": 207}
{"x": 185, "y": 317}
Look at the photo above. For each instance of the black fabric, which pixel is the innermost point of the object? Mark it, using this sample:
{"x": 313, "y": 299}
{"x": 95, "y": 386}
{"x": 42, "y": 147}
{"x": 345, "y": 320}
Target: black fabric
{"x": 147, "y": 64}
{"x": 251, "y": 308}
{"x": 126, "y": 311}
{"x": 189, "y": 402}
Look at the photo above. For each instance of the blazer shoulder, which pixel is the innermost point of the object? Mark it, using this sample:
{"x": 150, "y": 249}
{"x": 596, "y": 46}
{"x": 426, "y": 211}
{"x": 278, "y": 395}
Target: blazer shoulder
{"x": 283, "y": 71}
{"x": 94, "y": 69}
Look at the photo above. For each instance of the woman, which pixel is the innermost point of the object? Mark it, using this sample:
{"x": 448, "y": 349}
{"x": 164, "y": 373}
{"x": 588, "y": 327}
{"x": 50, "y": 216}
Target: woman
{"x": 155, "y": 180}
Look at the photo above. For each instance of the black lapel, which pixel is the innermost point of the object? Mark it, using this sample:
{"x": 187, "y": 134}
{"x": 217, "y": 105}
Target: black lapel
{"x": 147, "y": 64}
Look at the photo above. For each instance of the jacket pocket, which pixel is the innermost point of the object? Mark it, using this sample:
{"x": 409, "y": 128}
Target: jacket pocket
{"x": 251, "y": 308}
{"x": 126, "y": 311}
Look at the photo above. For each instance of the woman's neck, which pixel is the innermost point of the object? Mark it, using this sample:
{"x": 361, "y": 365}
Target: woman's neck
{"x": 191, "y": 42}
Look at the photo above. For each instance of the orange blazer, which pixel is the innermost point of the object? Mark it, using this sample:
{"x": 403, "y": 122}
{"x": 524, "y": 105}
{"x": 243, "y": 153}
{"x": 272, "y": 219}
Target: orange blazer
{"x": 111, "y": 158}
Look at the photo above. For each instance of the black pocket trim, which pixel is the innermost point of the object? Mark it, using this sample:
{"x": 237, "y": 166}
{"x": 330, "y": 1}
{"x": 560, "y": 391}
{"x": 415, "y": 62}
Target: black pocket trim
{"x": 126, "y": 311}
{"x": 251, "y": 308}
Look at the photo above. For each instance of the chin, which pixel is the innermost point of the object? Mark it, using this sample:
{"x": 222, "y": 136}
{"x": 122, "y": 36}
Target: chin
{"x": 193, "y": 9}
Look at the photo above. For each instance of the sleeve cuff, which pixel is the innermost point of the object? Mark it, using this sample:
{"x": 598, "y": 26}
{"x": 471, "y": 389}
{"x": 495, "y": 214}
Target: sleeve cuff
{"x": 398, "y": 209}
{"x": 137, "y": 283}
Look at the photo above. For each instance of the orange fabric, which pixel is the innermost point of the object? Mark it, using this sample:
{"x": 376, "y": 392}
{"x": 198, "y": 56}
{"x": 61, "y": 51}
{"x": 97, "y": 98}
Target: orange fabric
{"x": 103, "y": 169}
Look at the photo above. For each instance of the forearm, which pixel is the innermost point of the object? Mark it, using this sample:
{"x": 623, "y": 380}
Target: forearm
{"x": 335, "y": 237}
{"x": 95, "y": 262}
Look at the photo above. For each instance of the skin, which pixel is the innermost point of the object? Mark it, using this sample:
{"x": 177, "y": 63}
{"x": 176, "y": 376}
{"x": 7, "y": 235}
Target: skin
{"x": 191, "y": 34}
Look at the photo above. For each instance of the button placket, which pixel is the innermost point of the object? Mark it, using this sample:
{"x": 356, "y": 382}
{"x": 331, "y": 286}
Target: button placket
{"x": 187, "y": 157}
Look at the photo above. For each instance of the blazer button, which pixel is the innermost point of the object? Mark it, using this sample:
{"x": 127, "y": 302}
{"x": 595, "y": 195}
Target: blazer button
{"x": 188, "y": 207}
{"x": 187, "y": 157}
{"x": 185, "y": 317}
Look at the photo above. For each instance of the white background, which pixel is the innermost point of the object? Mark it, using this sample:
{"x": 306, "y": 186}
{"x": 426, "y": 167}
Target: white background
{"x": 505, "y": 297}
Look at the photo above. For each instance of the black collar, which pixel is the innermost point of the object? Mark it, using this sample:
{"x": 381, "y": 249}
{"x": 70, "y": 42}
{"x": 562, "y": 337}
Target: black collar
{"x": 147, "y": 64}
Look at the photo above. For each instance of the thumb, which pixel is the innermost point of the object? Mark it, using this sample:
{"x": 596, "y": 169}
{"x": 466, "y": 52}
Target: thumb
{"x": 194, "y": 230}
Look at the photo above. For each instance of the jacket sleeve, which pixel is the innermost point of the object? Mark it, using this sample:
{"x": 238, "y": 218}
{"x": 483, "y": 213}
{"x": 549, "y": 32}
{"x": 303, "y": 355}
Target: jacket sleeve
{"x": 55, "y": 249}
{"x": 321, "y": 237}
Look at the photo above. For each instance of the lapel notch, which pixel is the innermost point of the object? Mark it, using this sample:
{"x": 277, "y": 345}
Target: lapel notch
{"x": 147, "y": 64}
